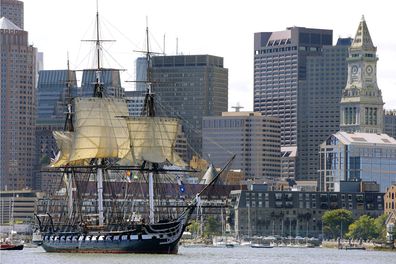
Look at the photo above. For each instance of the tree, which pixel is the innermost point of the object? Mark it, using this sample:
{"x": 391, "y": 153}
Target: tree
{"x": 380, "y": 226}
{"x": 193, "y": 227}
{"x": 363, "y": 228}
{"x": 212, "y": 227}
{"x": 336, "y": 222}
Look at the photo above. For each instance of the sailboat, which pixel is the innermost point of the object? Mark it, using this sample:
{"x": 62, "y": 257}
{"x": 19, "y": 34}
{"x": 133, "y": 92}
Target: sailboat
{"x": 9, "y": 243}
{"x": 98, "y": 141}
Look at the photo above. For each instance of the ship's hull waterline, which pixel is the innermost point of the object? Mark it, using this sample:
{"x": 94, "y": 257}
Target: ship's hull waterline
{"x": 156, "y": 238}
{"x": 150, "y": 246}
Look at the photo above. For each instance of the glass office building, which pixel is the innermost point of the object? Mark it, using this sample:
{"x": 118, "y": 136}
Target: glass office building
{"x": 190, "y": 87}
{"x": 356, "y": 157}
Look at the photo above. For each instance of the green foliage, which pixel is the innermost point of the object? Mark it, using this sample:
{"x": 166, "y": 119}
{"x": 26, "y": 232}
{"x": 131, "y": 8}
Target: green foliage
{"x": 363, "y": 228}
{"x": 212, "y": 227}
{"x": 193, "y": 227}
{"x": 336, "y": 222}
{"x": 380, "y": 226}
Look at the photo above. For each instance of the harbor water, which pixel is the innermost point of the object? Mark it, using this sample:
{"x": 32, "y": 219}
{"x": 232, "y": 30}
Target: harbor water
{"x": 207, "y": 255}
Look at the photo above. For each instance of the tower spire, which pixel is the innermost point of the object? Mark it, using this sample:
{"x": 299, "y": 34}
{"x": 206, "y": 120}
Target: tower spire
{"x": 361, "y": 102}
{"x": 362, "y": 37}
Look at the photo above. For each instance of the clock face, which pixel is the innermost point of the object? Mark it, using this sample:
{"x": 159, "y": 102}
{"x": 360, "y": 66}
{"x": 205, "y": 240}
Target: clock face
{"x": 369, "y": 69}
{"x": 354, "y": 69}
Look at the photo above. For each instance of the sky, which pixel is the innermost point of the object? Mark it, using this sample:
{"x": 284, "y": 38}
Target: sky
{"x": 216, "y": 27}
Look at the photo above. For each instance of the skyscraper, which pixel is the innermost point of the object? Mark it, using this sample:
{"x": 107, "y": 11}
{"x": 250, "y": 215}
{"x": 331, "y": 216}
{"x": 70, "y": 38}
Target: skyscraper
{"x": 254, "y": 138}
{"x": 299, "y": 77}
{"x": 13, "y": 10}
{"x": 52, "y": 96}
{"x": 279, "y": 67}
{"x": 110, "y": 78}
{"x": 141, "y": 73}
{"x": 390, "y": 123}
{"x": 190, "y": 87}
{"x": 361, "y": 103}
{"x": 318, "y": 104}
{"x": 18, "y": 80}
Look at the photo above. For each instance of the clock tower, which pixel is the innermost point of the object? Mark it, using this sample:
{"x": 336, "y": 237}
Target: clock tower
{"x": 361, "y": 102}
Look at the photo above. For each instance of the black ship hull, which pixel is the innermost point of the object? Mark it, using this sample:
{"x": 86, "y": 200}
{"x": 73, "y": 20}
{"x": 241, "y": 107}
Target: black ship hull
{"x": 158, "y": 238}
{"x": 151, "y": 246}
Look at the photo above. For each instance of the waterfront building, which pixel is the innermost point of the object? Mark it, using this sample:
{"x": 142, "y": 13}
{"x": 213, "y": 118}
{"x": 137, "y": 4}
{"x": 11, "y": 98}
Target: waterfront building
{"x": 299, "y": 77}
{"x": 190, "y": 87}
{"x": 390, "y": 123}
{"x": 390, "y": 200}
{"x": 14, "y": 11}
{"x": 18, "y": 106}
{"x": 359, "y": 152}
{"x": 293, "y": 213}
{"x": 110, "y": 78}
{"x": 355, "y": 157}
{"x": 18, "y": 206}
{"x": 254, "y": 138}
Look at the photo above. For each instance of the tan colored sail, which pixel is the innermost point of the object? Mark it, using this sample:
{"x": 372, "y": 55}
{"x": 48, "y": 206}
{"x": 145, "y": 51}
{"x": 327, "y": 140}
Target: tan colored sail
{"x": 153, "y": 139}
{"x": 64, "y": 143}
{"x": 100, "y": 132}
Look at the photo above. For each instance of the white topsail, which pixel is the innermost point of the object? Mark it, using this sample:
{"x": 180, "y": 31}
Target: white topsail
{"x": 153, "y": 139}
{"x": 100, "y": 131}
{"x": 64, "y": 143}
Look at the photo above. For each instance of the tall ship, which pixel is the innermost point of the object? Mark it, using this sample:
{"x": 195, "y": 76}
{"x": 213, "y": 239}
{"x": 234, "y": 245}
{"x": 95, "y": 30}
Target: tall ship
{"x": 100, "y": 150}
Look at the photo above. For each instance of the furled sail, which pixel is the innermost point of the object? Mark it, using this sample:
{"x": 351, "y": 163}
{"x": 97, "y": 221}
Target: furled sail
{"x": 100, "y": 130}
{"x": 153, "y": 139}
{"x": 64, "y": 142}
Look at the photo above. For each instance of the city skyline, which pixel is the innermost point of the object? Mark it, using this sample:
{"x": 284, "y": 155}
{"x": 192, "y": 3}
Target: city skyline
{"x": 201, "y": 28}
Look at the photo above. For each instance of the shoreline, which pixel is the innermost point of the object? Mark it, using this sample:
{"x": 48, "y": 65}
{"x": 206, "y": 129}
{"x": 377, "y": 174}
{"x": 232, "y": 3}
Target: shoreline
{"x": 366, "y": 245}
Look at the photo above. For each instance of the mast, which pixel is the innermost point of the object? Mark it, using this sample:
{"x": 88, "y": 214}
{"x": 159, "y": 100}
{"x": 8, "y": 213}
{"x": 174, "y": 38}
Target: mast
{"x": 149, "y": 105}
{"x": 69, "y": 127}
{"x": 99, "y": 93}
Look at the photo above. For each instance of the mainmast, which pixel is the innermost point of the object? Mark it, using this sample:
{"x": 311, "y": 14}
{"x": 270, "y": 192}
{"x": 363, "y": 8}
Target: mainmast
{"x": 149, "y": 111}
{"x": 69, "y": 128}
{"x": 98, "y": 92}
{"x": 69, "y": 116}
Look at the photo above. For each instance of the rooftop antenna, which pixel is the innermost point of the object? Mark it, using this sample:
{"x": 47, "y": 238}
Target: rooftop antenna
{"x": 177, "y": 46}
{"x": 164, "y": 46}
{"x": 237, "y": 107}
